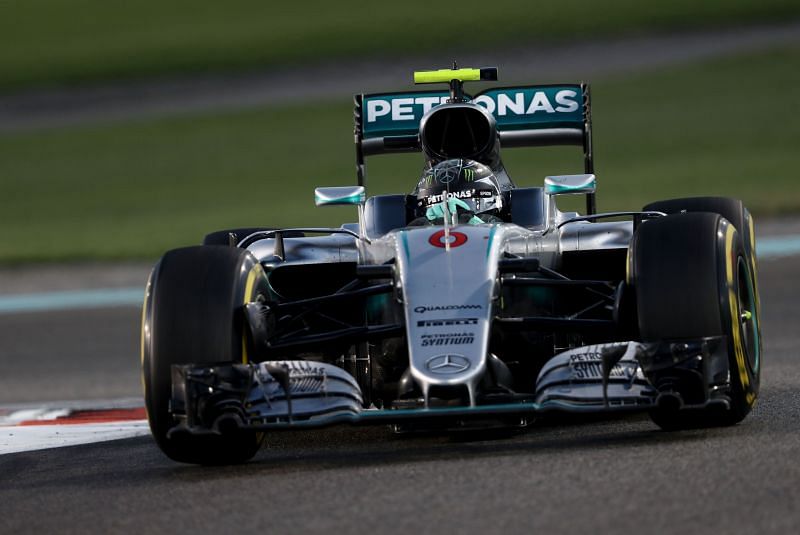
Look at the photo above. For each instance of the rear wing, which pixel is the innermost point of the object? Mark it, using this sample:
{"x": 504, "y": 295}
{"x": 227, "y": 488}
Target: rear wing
{"x": 526, "y": 116}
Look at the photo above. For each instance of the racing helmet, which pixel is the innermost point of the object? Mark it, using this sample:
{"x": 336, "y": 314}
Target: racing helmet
{"x": 466, "y": 180}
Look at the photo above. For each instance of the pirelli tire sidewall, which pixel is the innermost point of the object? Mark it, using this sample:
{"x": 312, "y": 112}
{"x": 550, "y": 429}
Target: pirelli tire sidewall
{"x": 744, "y": 337}
{"x": 193, "y": 313}
{"x": 736, "y": 213}
{"x": 690, "y": 271}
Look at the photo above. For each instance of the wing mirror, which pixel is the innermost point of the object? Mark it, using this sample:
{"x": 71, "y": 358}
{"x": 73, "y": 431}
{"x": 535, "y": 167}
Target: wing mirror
{"x": 344, "y": 195}
{"x": 339, "y": 195}
{"x": 566, "y": 184}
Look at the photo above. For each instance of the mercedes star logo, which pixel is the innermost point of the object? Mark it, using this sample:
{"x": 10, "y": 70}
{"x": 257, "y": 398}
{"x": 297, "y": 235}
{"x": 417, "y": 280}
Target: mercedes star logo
{"x": 447, "y": 364}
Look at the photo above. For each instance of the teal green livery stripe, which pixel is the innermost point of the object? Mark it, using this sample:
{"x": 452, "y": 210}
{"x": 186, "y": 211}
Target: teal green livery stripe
{"x": 553, "y": 188}
{"x": 404, "y": 241}
{"x": 491, "y": 239}
{"x": 353, "y": 199}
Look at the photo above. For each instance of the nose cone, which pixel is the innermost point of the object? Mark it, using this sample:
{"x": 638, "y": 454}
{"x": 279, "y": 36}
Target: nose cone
{"x": 448, "y": 302}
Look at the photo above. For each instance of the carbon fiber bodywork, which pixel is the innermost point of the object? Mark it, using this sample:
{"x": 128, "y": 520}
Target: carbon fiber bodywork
{"x": 490, "y": 328}
{"x": 389, "y": 321}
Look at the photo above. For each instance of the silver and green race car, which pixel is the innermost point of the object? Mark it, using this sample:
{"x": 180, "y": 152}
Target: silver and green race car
{"x": 468, "y": 302}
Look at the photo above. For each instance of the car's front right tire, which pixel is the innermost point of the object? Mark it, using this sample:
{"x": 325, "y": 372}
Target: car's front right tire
{"x": 193, "y": 314}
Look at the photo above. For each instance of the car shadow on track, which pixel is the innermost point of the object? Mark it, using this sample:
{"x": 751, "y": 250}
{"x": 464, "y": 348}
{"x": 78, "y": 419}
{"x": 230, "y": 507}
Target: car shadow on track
{"x": 344, "y": 447}
{"x": 139, "y": 463}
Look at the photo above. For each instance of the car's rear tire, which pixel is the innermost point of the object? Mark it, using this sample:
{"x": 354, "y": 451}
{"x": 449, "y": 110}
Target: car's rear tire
{"x": 193, "y": 313}
{"x": 692, "y": 280}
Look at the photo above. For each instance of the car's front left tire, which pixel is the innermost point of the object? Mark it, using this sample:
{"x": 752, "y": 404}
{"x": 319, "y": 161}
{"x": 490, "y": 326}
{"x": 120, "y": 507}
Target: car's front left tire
{"x": 692, "y": 280}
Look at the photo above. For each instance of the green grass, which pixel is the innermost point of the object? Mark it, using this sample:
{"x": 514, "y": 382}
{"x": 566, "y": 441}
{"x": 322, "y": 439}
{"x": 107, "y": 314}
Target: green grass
{"x": 53, "y": 42}
{"x": 726, "y": 127}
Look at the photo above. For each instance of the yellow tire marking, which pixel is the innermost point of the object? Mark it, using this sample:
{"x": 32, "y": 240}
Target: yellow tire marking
{"x": 628, "y": 264}
{"x": 753, "y": 268}
{"x": 733, "y": 301}
{"x": 255, "y": 272}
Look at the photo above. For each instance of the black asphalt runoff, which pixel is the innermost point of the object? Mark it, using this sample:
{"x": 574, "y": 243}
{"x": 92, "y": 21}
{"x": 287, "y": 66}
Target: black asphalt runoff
{"x": 594, "y": 476}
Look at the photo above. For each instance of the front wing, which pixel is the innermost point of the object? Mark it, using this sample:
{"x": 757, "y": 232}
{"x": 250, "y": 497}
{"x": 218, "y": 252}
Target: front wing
{"x": 612, "y": 377}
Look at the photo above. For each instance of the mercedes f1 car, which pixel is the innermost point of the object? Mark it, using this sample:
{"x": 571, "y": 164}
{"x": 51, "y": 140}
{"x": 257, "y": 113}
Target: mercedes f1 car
{"x": 469, "y": 302}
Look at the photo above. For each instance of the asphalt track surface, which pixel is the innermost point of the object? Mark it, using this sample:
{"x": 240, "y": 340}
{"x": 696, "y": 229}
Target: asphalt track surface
{"x": 609, "y": 475}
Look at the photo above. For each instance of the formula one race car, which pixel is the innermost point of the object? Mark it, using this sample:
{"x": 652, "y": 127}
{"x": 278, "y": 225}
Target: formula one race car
{"x": 469, "y": 302}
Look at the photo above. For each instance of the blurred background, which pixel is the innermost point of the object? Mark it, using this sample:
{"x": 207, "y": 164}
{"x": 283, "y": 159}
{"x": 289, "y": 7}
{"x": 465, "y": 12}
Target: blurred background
{"x": 130, "y": 128}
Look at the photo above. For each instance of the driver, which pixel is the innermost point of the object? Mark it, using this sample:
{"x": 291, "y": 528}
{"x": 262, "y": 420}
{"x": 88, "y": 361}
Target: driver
{"x": 469, "y": 188}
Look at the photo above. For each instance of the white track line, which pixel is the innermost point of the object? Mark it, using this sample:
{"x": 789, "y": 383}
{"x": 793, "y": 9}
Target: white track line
{"x": 53, "y": 425}
{"x": 39, "y": 437}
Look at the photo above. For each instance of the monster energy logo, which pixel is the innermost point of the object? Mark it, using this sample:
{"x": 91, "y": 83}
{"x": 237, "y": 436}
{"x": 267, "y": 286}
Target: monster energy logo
{"x": 449, "y": 171}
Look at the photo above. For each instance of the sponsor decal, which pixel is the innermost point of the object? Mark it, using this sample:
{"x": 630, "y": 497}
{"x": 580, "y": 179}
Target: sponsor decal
{"x": 448, "y": 172}
{"x": 590, "y": 366}
{"x": 512, "y": 108}
{"x": 408, "y": 108}
{"x": 447, "y": 364}
{"x": 439, "y": 308}
{"x": 586, "y": 357}
{"x": 466, "y": 194}
{"x": 447, "y": 322}
{"x": 447, "y": 339}
{"x": 456, "y": 239}
{"x": 502, "y": 103}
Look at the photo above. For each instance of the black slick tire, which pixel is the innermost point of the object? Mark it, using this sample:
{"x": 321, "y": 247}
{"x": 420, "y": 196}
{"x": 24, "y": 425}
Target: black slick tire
{"x": 692, "y": 280}
{"x": 193, "y": 313}
{"x": 731, "y": 209}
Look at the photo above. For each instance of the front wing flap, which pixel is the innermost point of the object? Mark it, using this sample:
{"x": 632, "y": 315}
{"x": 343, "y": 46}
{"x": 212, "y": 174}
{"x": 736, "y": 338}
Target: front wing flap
{"x": 293, "y": 394}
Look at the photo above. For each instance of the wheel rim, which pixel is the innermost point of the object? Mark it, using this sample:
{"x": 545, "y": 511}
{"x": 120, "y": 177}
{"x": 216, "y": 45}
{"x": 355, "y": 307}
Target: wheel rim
{"x": 748, "y": 316}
